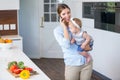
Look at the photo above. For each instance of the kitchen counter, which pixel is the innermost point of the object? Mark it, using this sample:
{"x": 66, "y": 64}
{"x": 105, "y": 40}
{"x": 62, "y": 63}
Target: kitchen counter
{"x": 17, "y": 40}
{"x": 13, "y": 37}
{"x": 16, "y": 54}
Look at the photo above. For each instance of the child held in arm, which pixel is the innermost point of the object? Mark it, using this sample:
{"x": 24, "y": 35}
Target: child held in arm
{"x": 81, "y": 38}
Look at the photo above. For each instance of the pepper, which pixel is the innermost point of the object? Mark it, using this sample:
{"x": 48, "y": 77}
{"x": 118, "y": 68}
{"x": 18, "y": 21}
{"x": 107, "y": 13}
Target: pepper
{"x": 25, "y": 74}
{"x": 21, "y": 65}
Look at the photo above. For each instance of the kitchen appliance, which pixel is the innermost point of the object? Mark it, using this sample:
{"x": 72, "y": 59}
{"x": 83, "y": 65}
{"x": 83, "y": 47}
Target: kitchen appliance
{"x": 106, "y": 15}
{"x": 88, "y": 9}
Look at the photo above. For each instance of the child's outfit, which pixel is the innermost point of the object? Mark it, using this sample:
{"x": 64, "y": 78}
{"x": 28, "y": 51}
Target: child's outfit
{"x": 79, "y": 40}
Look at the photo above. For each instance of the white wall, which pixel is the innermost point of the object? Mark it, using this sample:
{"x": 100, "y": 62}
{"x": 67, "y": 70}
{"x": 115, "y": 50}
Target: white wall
{"x": 29, "y": 29}
{"x": 9, "y": 4}
{"x": 106, "y": 52}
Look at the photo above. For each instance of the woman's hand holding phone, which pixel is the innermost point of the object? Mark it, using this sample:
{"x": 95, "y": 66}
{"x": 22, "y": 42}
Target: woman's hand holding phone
{"x": 62, "y": 22}
{"x": 65, "y": 30}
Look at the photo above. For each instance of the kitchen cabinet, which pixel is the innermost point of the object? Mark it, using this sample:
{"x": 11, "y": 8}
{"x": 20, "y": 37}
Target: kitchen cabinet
{"x": 9, "y": 4}
{"x": 17, "y": 40}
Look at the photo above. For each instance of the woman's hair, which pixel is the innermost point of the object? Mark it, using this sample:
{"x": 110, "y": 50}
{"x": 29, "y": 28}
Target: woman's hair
{"x": 78, "y": 21}
{"x": 62, "y": 7}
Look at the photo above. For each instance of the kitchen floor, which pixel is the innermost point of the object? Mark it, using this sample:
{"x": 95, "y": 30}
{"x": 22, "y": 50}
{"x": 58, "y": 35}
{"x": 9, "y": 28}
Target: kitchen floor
{"x": 54, "y": 69}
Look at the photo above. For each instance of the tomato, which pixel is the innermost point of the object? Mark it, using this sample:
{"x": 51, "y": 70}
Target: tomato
{"x": 11, "y": 63}
{"x": 13, "y": 67}
{"x": 17, "y": 71}
{"x": 28, "y": 68}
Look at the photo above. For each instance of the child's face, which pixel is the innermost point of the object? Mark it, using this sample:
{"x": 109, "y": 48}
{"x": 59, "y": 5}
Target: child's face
{"x": 73, "y": 28}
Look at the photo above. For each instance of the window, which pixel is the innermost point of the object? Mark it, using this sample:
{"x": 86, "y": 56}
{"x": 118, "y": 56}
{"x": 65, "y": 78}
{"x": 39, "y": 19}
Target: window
{"x": 50, "y": 13}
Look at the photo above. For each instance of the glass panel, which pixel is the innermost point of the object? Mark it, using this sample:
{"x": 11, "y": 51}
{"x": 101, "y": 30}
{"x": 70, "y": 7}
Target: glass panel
{"x": 53, "y": 1}
{"x": 46, "y": 17}
{"x": 88, "y": 10}
{"x": 107, "y": 16}
{"x": 46, "y": 1}
{"x": 46, "y": 7}
{"x": 53, "y": 17}
{"x": 53, "y": 7}
{"x": 50, "y": 14}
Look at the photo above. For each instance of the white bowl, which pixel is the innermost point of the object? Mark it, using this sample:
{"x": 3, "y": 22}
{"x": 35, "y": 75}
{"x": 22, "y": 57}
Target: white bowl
{"x": 5, "y": 45}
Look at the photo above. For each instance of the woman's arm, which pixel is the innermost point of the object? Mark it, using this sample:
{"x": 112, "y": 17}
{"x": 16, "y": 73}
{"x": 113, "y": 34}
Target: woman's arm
{"x": 65, "y": 30}
{"x": 59, "y": 36}
{"x": 62, "y": 35}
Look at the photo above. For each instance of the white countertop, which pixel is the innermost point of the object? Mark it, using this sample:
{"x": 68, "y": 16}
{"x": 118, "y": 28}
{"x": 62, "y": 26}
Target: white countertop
{"x": 13, "y": 37}
{"x": 15, "y": 54}
{"x": 17, "y": 40}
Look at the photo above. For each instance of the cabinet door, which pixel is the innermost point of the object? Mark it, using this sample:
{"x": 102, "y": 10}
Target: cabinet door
{"x": 18, "y": 43}
{"x": 9, "y": 4}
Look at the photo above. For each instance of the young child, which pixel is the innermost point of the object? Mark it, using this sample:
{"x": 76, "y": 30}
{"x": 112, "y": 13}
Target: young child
{"x": 81, "y": 38}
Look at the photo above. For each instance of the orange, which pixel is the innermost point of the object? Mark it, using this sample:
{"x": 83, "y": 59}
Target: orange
{"x": 8, "y": 41}
{"x": 2, "y": 40}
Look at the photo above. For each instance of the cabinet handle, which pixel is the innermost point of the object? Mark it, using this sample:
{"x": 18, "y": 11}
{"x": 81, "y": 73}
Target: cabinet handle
{"x": 16, "y": 39}
{"x": 42, "y": 22}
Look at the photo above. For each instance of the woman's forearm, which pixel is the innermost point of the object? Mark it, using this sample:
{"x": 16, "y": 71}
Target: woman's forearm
{"x": 63, "y": 42}
{"x": 66, "y": 34}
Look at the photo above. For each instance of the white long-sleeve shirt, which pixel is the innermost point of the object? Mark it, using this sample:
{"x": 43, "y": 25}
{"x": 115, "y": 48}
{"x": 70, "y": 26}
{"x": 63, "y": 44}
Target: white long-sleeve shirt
{"x": 71, "y": 55}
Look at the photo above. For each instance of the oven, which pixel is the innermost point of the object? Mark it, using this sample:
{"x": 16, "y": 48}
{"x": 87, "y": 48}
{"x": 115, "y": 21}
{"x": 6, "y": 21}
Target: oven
{"x": 106, "y": 15}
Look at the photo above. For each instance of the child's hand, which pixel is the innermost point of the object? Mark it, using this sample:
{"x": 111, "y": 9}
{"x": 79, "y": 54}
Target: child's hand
{"x": 72, "y": 41}
{"x": 86, "y": 47}
{"x": 83, "y": 46}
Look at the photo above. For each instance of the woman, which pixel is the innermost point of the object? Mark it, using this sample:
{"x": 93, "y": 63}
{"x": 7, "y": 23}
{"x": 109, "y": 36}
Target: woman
{"x": 75, "y": 66}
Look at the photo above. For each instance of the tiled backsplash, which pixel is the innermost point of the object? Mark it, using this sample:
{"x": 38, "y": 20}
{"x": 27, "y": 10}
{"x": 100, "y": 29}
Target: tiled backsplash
{"x": 8, "y": 22}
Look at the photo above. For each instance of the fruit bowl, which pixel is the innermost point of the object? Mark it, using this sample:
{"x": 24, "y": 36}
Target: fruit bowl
{"x": 5, "y": 43}
{"x": 4, "y": 46}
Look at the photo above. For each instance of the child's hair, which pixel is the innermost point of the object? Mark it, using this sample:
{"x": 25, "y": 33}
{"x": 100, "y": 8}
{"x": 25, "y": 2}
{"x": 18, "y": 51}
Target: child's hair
{"x": 78, "y": 21}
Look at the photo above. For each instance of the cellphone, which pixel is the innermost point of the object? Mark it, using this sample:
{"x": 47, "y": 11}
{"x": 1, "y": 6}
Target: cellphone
{"x": 61, "y": 18}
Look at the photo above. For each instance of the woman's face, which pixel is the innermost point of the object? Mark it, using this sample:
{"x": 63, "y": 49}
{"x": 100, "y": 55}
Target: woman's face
{"x": 65, "y": 14}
